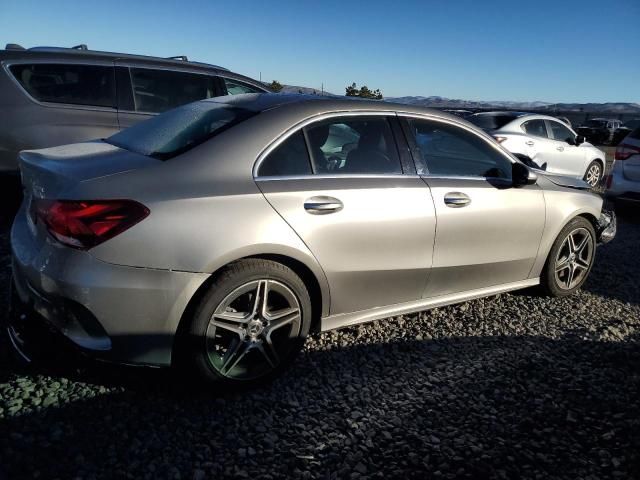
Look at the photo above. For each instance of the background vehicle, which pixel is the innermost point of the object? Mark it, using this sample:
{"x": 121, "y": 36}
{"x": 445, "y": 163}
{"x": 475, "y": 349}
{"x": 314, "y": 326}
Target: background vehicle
{"x": 549, "y": 143}
{"x": 565, "y": 120}
{"x": 599, "y": 131}
{"x": 54, "y": 96}
{"x": 624, "y": 130}
{"x": 219, "y": 234}
{"x": 624, "y": 179}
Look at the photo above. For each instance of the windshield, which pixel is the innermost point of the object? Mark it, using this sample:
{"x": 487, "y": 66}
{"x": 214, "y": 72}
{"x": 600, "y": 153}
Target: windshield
{"x": 490, "y": 122}
{"x": 180, "y": 129}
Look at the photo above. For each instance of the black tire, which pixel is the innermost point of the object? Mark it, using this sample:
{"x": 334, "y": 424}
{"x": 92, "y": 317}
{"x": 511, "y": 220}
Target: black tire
{"x": 595, "y": 166}
{"x": 551, "y": 283}
{"x": 196, "y": 341}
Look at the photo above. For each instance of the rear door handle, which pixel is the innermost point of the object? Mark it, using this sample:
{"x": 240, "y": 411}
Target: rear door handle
{"x": 322, "y": 205}
{"x": 530, "y": 143}
{"x": 560, "y": 149}
{"x": 456, "y": 199}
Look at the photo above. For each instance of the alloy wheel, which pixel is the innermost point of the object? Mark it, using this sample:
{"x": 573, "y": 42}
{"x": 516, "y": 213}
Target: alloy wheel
{"x": 574, "y": 258}
{"x": 593, "y": 175}
{"x": 253, "y": 329}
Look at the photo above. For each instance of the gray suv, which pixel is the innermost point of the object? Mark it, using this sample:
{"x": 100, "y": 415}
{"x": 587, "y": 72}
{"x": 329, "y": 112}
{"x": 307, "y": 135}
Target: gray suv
{"x": 54, "y": 96}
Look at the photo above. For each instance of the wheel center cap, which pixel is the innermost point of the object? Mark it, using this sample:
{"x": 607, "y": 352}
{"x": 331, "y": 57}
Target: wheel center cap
{"x": 572, "y": 257}
{"x": 255, "y": 328}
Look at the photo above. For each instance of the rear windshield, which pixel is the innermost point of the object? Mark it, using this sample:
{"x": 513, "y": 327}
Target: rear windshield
{"x": 490, "y": 122}
{"x": 596, "y": 123}
{"x": 180, "y": 129}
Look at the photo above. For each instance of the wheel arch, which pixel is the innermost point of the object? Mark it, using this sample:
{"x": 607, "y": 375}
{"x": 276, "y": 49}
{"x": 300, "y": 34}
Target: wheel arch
{"x": 319, "y": 296}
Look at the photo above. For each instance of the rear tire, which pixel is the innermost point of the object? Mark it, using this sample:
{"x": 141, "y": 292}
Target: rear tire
{"x": 594, "y": 173}
{"x": 570, "y": 259}
{"x": 248, "y": 327}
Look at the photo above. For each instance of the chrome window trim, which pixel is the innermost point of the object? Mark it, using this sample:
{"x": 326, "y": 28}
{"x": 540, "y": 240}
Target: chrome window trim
{"x": 272, "y": 178}
{"x": 283, "y": 136}
{"x": 6, "y": 65}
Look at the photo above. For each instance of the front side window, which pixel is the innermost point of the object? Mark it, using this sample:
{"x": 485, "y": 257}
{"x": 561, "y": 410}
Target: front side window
{"x": 72, "y": 84}
{"x": 537, "y": 128}
{"x": 353, "y": 145}
{"x": 172, "y": 133}
{"x": 290, "y": 158}
{"x": 560, "y": 132}
{"x": 155, "y": 91}
{"x": 452, "y": 151}
{"x": 236, "y": 88}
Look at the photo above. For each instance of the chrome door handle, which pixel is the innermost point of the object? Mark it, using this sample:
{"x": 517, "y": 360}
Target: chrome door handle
{"x": 560, "y": 149}
{"x": 456, "y": 200}
{"x": 322, "y": 205}
{"x": 530, "y": 143}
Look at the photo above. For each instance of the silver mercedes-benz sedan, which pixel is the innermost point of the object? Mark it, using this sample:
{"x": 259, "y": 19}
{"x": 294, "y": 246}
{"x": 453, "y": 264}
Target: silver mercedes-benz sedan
{"x": 218, "y": 235}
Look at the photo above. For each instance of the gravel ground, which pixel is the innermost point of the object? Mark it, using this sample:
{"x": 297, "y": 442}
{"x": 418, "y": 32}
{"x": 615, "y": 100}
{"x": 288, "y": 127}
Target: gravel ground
{"x": 513, "y": 386}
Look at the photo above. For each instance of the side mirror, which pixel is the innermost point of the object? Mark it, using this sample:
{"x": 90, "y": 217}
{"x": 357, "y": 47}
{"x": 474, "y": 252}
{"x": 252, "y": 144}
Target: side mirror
{"x": 580, "y": 139}
{"x": 521, "y": 175}
{"x": 571, "y": 140}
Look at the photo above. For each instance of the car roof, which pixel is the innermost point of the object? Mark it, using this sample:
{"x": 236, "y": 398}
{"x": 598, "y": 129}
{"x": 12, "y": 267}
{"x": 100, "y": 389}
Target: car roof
{"x": 17, "y": 53}
{"x": 505, "y": 113}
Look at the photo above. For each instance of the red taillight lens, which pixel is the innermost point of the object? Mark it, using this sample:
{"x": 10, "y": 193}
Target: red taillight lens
{"x": 84, "y": 224}
{"x": 625, "y": 151}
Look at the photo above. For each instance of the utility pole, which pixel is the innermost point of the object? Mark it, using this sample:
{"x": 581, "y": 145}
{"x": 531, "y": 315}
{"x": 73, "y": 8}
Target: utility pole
{"x": 322, "y": 90}
{"x": 260, "y": 77}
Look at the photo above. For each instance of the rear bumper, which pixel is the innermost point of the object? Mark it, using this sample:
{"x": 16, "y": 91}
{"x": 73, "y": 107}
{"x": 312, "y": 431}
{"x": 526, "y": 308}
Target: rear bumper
{"x": 621, "y": 187}
{"x": 112, "y": 312}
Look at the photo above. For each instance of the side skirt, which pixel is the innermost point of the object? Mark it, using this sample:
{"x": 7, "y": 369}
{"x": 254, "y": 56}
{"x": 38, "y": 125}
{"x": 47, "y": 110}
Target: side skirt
{"x": 354, "y": 318}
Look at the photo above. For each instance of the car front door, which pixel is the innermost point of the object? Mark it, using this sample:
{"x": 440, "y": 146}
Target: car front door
{"x": 488, "y": 231}
{"x": 570, "y": 158}
{"x": 538, "y": 146}
{"x": 339, "y": 182}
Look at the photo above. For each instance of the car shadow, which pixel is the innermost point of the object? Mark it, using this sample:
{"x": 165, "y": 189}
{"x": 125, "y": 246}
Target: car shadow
{"x": 469, "y": 407}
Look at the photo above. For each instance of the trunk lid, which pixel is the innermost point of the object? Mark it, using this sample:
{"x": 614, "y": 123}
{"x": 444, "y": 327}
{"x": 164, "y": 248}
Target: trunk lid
{"x": 50, "y": 172}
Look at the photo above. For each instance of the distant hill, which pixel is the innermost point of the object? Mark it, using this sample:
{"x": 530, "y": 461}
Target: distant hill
{"x": 442, "y": 102}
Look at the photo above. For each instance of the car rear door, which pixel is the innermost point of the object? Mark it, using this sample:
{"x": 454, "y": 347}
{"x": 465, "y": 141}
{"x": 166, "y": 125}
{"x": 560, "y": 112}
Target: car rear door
{"x": 352, "y": 197}
{"x": 144, "y": 91}
{"x": 488, "y": 232}
{"x": 539, "y": 148}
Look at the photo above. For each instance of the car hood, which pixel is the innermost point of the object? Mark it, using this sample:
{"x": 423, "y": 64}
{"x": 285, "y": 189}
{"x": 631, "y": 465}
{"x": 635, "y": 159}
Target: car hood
{"x": 564, "y": 180}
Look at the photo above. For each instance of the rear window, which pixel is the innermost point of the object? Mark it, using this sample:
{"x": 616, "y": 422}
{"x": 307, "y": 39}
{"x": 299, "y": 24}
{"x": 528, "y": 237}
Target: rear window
{"x": 596, "y": 123}
{"x": 73, "y": 84}
{"x": 490, "y": 122}
{"x": 179, "y": 130}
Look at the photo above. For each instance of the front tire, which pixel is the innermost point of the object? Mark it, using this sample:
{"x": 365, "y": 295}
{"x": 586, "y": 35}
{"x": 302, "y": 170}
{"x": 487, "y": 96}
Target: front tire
{"x": 250, "y": 325}
{"x": 593, "y": 174}
{"x": 570, "y": 259}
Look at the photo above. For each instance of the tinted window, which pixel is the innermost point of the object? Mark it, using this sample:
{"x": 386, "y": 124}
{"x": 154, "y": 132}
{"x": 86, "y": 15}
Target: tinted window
{"x": 560, "y": 132}
{"x": 353, "y": 146}
{"x": 596, "y": 123}
{"x": 74, "y": 84}
{"x": 449, "y": 150}
{"x": 635, "y": 134}
{"x": 160, "y": 90}
{"x": 289, "y": 158}
{"x": 491, "y": 122}
{"x": 235, "y": 88}
{"x": 537, "y": 128}
{"x": 179, "y": 130}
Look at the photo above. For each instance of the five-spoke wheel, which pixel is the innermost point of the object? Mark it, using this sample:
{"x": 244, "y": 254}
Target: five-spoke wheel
{"x": 249, "y": 325}
{"x": 593, "y": 174}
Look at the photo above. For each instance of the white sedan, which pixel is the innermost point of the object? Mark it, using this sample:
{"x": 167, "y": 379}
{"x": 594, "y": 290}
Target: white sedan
{"x": 548, "y": 142}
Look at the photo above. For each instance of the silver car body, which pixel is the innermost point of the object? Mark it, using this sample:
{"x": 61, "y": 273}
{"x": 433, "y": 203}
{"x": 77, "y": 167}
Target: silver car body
{"x": 392, "y": 247}
{"x": 557, "y": 156}
{"x": 624, "y": 181}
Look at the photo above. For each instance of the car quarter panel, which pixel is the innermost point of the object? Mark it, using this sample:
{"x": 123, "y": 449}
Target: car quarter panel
{"x": 562, "y": 205}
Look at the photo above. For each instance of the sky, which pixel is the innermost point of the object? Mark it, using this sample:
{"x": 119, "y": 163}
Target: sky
{"x": 555, "y": 51}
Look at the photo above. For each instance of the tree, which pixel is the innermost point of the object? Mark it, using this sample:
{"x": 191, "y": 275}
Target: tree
{"x": 276, "y": 86}
{"x": 364, "y": 92}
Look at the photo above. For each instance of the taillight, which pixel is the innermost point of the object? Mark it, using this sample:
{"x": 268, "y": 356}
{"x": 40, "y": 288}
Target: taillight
{"x": 83, "y": 224}
{"x": 500, "y": 139}
{"x": 625, "y": 151}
